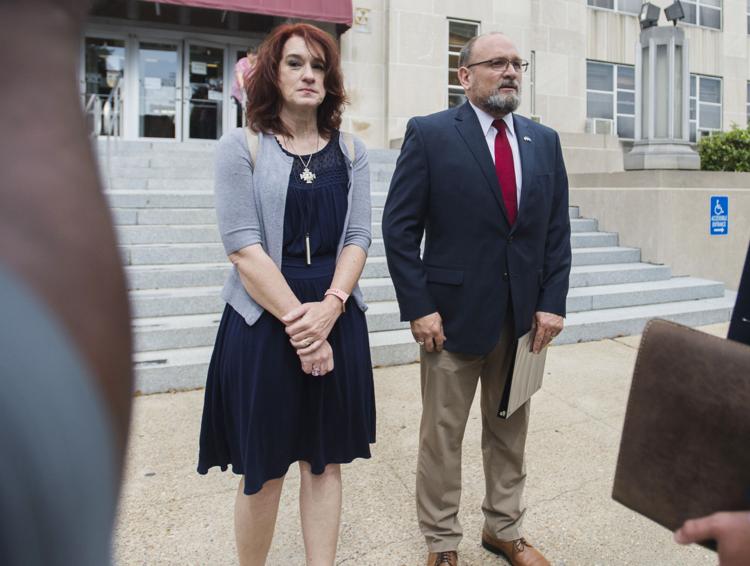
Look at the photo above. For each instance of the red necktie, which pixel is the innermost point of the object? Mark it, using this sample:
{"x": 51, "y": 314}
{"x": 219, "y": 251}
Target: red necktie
{"x": 505, "y": 170}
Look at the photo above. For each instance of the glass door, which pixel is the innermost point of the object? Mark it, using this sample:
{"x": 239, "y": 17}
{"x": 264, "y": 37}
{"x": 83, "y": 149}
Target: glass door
{"x": 235, "y": 112}
{"x": 159, "y": 100}
{"x": 102, "y": 83}
{"x": 204, "y": 91}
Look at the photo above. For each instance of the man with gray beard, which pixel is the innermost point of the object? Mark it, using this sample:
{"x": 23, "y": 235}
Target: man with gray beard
{"x": 488, "y": 191}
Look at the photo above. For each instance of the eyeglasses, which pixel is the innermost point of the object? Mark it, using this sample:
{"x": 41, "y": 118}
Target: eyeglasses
{"x": 500, "y": 64}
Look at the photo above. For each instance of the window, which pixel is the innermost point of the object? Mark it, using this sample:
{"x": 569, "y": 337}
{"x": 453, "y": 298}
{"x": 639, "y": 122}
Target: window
{"x": 706, "y": 13}
{"x": 747, "y": 104}
{"x": 459, "y": 32}
{"x": 610, "y": 94}
{"x": 626, "y": 6}
{"x": 705, "y": 105}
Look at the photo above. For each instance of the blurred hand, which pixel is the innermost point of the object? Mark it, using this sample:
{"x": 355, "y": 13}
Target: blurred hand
{"x": 731, "y": 531}
{"x": 547, "y": 326}
{"x": 428, "y": 332}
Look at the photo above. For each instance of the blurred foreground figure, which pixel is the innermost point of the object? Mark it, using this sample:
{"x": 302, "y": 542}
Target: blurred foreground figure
{"x": 65, "y": 335}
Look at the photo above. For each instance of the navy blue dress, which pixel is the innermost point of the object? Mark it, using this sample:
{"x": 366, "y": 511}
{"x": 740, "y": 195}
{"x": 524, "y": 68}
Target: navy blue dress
{"x": 261, "y": 412}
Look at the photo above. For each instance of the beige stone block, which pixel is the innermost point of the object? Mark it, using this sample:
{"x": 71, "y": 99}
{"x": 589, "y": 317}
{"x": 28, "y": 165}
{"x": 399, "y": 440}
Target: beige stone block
{"x": 365, "y": 75}
{"x": 366, "y": 47}
{"x": 367, "y": 102}
{"x": 415, "y": 91}
{"x": 397, "y": 127}
{"x": 476, "y": 10}
{"x": 576, "y": 76}
{"x": 420, "y": 6}
{"x": 566, "y": 113}
{"x": 422, "y": 40}
{"x": 568, "y": 42}
{"x": 577, "y": 17}
{"x": 538, "y": 38}
{"x": 551, "y": 72}
{"x": 735, "y": 44}
{"x": 554, "y": 12}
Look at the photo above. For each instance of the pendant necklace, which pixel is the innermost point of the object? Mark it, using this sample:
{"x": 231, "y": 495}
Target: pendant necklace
{"x": 308, "y": 177}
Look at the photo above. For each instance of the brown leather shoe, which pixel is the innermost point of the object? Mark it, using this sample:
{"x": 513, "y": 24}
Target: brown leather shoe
{"x": 518, "y": 552}
{"x": 448, "y": 558}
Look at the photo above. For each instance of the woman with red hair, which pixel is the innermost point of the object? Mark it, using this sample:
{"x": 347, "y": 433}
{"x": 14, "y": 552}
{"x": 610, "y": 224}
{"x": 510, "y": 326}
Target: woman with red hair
{"x": 290, "y": 378}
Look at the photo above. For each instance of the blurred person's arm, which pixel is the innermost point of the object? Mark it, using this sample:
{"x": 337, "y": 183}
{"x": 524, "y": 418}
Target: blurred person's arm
{"x": 56, "y": 233}
{"x": 731, "y": 531}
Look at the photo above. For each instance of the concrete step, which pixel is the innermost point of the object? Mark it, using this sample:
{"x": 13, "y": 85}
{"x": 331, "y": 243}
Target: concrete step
{"x": 160, "y": 199}
{"x": 394, "y": 347}
{"x": 214, "y": 273}
{"x": 171, "y": 332}
{"x": 605, "y": 255}
{"x": 171, "y": 254}
{"x": 190, "y": 170}
{"x": 194, "y": 330}
{"x": 167, "y": 370}
{"x": 618, "y": 273}
{"x": 168, "y": 216}
{"x": 155, "y": 147}
{"x": 174, "y": 332}
{"x": 378, "y": 289}
{"x": 150, "y": 183}
{"x": 185, "y": 368}
{"x": 387, "y": 156}
{"x": 573, "y": 212}
{"x": 611, "y": 323}
{"x": 593, "y": 239}
{"x": 149, "y": 303}
{"x": 577, "y": 225}
{"x": 582, "y": 299}
{"x": 162, "y": 234}
{"x": 171, "y": 276}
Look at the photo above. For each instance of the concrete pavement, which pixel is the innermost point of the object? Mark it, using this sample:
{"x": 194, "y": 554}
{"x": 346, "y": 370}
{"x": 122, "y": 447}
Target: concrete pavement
{"x": 170, "y": 515}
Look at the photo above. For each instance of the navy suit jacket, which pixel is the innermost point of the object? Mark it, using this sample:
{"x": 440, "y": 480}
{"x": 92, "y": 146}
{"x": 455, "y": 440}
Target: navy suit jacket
{"x": 739, "y": 328}
{"x": 475, "y": 264}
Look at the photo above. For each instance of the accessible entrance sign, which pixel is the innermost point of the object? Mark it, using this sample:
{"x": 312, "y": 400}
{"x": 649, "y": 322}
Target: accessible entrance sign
{"x": 719, "y": 215}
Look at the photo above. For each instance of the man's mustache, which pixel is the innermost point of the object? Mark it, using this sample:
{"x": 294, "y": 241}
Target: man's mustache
{"x": 510, "y": 84}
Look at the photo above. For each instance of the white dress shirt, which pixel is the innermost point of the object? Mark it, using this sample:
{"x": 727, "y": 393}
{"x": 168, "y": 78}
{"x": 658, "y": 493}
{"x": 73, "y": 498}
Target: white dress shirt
{"x": 489, "y": 131}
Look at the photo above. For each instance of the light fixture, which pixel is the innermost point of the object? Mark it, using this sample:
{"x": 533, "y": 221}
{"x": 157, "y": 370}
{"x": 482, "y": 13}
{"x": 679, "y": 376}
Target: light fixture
{"x": 675, "y": 12}
{"x": 649, "y": 16}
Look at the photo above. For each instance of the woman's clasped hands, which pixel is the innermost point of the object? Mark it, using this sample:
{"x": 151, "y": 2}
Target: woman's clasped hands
{"x": 308, "y": 327}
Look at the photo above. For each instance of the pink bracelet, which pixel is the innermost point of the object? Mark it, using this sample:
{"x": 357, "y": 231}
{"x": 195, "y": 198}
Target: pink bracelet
{"x": 339, "y": 294}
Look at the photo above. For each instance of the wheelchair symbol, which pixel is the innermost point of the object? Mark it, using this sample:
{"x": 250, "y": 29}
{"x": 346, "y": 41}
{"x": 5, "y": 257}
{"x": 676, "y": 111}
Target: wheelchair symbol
{"x": 718, "y": 210}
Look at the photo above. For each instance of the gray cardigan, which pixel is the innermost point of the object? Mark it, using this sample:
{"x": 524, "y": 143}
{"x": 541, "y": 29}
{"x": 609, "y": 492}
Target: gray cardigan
{"x": 250, "y": 206}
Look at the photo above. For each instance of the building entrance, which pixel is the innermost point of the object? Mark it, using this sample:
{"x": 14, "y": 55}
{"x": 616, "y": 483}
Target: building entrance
{"x": 146, "y": 85}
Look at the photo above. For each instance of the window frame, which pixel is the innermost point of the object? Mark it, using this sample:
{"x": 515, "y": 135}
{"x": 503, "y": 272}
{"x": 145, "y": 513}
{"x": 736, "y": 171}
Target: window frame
{"x": 699, "y": 132}
{"x": 454, "y": 89}
{"x": 616, "y": 114}
{"x": 616, "y": 8}
{"x": 704, "y": 4}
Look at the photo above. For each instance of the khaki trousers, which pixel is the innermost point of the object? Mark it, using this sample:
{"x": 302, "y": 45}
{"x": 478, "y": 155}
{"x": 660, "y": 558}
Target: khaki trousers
{"x": 449, "y": 382}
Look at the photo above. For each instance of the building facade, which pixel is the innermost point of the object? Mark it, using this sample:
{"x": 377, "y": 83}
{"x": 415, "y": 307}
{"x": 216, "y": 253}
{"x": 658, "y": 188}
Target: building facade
{"x": 400, "y": 58}
{"x": 172, "y": 65}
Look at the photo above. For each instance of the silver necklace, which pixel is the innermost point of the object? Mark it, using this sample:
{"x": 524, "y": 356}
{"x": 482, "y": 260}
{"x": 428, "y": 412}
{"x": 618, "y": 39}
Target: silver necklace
{"x": 307, "y": 176}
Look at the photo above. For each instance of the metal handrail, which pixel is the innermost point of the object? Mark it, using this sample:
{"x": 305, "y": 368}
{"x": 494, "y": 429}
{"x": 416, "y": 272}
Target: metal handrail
{"x": 106, "y": 113}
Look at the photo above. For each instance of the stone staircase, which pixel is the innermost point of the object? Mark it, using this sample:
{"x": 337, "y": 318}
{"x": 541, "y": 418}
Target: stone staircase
{"x": 161, "y": 200}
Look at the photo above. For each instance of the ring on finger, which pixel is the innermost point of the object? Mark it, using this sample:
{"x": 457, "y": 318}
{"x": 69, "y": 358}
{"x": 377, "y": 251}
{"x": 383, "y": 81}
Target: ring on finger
{"x": 306, "y": 342}
{"x": 420, "y": 342}
{"x": 316, "y": 371}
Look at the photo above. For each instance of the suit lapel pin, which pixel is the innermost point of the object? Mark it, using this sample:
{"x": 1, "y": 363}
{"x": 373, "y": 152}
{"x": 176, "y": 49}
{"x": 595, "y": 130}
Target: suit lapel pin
{"x": 527, "y": 139}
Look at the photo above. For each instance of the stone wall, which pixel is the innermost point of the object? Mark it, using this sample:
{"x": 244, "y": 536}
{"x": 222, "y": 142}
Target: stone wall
{"x": 666, "y": 214}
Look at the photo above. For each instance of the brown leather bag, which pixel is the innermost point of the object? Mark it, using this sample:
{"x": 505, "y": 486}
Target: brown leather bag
{"x": 685, "y": 448}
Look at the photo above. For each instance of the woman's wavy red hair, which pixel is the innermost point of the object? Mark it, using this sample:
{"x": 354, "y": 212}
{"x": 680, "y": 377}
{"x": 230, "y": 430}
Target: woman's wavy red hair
{"x": 264, "y": 100}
